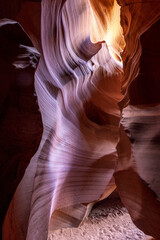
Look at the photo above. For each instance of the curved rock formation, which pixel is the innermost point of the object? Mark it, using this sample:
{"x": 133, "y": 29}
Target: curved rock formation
{"x": 91, "y": 52}
{"x": 140, "y": 118}
{"x": 20, "y": 121}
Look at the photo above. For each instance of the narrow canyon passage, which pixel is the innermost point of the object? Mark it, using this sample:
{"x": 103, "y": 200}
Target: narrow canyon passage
{"x": 80, "y": 113}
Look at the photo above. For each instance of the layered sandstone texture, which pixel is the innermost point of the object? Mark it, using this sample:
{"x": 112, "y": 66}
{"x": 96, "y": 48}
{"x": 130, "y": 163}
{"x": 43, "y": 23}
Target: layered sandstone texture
{"x": 80, "y": 110}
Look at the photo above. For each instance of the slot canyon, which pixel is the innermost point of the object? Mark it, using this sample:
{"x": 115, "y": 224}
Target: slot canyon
{"x": 79, "y": 116}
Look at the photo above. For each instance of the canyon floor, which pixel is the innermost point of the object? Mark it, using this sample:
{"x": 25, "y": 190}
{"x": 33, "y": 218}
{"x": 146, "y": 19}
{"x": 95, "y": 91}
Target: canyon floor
{"x": 108, "y": 220}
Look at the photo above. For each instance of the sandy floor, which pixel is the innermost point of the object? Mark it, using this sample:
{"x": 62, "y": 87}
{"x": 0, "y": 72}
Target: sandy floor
{"x": 109, "y": 220}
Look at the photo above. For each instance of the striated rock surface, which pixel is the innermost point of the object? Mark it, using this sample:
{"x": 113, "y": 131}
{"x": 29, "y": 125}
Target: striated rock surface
{"x": 140, "y": 193}
{"x": 100, "y": 131}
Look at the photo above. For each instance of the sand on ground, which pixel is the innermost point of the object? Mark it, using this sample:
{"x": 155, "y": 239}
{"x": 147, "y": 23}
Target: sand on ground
{"x": 108, "y": 220}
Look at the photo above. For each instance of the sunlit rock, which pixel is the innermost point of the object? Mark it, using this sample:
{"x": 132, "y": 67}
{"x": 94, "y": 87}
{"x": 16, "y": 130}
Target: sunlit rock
{"x": 92, "y": 138}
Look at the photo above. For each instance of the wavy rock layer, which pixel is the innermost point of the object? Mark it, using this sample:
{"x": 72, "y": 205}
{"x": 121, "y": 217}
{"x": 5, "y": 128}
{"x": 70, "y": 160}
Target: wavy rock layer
{"x": 139, "y": 165}
{"x": 82, "y": 90}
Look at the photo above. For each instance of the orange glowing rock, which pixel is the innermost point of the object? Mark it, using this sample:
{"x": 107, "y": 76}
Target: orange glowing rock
{"x": 90, "y": 54}
{"x": 106, "y": 26}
